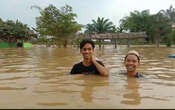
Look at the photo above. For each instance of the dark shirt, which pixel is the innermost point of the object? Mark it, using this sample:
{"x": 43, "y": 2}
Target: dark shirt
{"x": 79, "y": 68}
{"x": 138, "y": 75}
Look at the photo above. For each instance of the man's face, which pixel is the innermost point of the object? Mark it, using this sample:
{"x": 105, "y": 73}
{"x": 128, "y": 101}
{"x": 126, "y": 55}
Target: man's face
{"x": 87, "y": 51}
{"x": 131, "y": 63}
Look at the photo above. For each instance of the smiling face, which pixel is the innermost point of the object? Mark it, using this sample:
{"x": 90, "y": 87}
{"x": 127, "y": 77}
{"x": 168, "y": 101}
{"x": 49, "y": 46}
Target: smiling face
{"x": 87, "y": 51}
{"x": 131, "y": 63}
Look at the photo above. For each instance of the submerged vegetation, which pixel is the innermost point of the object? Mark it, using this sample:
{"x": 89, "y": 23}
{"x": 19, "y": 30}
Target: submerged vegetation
{"x": 58, "y": 23}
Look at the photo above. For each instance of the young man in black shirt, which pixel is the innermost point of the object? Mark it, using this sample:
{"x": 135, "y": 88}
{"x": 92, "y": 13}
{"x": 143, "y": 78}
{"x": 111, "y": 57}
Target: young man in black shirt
{"x": 89, "y": 65}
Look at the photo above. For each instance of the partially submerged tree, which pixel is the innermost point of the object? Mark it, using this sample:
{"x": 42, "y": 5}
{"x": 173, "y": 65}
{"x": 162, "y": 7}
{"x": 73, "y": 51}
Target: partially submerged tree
{"x": 59, "y": 23}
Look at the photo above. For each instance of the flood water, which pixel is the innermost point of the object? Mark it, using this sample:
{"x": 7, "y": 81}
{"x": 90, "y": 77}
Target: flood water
{"x": 39, "y": 78}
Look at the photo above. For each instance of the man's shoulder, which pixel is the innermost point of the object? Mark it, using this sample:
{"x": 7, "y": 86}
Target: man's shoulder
{"x": 138, "y": 74}
{"x": 76, "y": 67}
{"x": 78, "y": 64}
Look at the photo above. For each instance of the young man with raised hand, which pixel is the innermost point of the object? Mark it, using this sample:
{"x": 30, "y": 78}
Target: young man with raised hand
{"x": 89, "y": 65}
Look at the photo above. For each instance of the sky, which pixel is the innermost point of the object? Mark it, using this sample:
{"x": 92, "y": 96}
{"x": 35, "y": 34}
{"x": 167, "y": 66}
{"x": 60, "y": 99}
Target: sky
{"x": 86, "y": 10}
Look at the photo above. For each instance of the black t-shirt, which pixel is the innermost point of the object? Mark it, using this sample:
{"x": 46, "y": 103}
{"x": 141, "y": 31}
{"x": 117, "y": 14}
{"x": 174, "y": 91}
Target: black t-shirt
{"x": 79, "y": 68}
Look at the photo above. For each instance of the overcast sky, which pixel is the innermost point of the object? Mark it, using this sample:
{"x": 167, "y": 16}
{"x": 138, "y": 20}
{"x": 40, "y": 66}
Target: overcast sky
{"x": 86, "y": 10}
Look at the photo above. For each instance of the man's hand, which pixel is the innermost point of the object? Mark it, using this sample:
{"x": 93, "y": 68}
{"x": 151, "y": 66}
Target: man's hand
{"x": 93, "y": 58}
{"x": 102, "y": 69}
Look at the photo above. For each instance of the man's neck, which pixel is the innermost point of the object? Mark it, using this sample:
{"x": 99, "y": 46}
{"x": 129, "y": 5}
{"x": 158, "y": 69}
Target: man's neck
{"x": 133, "y": 73}
{"x": 87, "y": 62}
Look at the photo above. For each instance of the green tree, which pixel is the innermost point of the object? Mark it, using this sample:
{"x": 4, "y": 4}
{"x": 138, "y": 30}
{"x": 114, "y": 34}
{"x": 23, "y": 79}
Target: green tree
{"x": 173, "y": 36}
{"x": 11, "y": 31}
{"x": 162, "y": 28}
{"x": 101, "y": 25}
{"x": 59, "y": 23}
{"x": 138, "y": 22}
{"x": 1, "y": 22}
{"x": 156, "y": 26}
{"x": 169, "y": 13}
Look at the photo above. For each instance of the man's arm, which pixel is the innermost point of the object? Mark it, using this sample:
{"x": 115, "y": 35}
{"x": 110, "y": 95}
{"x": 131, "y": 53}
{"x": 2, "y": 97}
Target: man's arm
{"x": 102, "y": 69}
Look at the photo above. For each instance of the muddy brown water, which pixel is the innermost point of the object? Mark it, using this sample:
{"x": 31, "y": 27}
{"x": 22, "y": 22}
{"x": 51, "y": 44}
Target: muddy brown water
{"x": 39, "y": 78}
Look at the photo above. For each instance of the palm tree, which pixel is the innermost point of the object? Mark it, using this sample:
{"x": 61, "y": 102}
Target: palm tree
{"x": 101, "y": 25}
{"x": 89, "y": 29}
{"x": 169, "y": 13}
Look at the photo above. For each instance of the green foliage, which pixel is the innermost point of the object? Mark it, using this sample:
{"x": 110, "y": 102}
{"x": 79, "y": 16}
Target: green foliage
{"x": 1, "y": 22}
{"x": 137, "y": 22}
{"x": 169, "y": 39}
{"x": 173, "y": 36}
{"x": 59, "y": 23}
{"x": 162, "y": 28}
{"x": 11, "y": 31}
{"x": 101, "y": 25}
{"x": 169, "y": 13}
{"x": 157, "y": 26}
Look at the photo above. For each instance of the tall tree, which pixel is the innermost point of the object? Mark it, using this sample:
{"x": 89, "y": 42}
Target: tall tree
{"x": 138, "y": 21}
{"x": 170, "y": 15}
{"x": 59, "y": 23}
{"x": 162, "y": 28}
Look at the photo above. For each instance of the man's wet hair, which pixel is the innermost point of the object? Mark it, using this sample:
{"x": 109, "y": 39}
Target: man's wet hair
{"x": 133, "y": 52}
{"x": 85, "y": 41}
{"x": 138, "y": 58}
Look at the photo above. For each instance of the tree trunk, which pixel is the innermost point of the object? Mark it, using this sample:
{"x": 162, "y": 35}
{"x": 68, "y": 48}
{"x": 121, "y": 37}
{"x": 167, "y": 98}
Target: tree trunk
{"x": 65, "y": 43}
{"x": 129, "y": 42}
{"x": 99, "y": 43}
{"x": 157, "y": 42}
{"x": 115, "y": 41}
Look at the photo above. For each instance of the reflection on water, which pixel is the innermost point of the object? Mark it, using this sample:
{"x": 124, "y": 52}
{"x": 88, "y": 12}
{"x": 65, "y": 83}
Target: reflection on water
{"x": 132, "y": 97}
{"x": 90, "y": 82}
{"x": 39, "y": 78}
